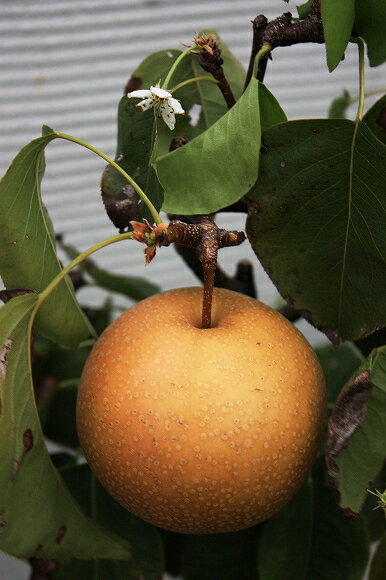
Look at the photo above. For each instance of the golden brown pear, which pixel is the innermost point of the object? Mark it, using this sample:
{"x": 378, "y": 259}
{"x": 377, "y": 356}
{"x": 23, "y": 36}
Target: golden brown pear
{"x": 201, "y": 430}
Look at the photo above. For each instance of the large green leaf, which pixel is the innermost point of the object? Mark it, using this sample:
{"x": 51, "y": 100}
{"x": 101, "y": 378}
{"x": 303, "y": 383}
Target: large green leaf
{"x": 375, "y": 119}
{"x": 271, "y": 112}
{"x": 138, "y": 132}
{"x": 219, "y": 166}
{"x": 56, "y": 373}
{"x": 309, "y": 540}
{"x": 340, "y": 548}
{"x": 356, "y": 446}
{"x": 146, "y": 560}
{"x": 136, "y": 138}
{"x": 370, "y": 18}
{"x": 372, "y": 510}
{"x": 317, "y": 222}
{"x": 291, "y": 529}
{"x": 303, "y": 9}
{"x": 210, "y": 172}
{"x": 57, "y": 415}
{"x": 38, "y": 516}
{"x": 28, "y": 258}
{"x": 207, "y": 95}
{"x": 338, "y": 20}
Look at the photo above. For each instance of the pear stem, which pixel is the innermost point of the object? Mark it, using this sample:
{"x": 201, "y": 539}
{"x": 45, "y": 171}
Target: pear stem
{"x": 207, "y": 239}
{"x": 207, "y": 297}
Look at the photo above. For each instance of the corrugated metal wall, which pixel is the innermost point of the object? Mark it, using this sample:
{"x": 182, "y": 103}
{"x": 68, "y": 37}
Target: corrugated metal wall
{"x": 65, "y": 63}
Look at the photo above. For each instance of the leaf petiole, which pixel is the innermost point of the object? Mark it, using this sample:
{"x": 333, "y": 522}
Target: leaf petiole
{"x": 264, "y": 50}
{"x": 154, "y": 213}
{"x": 176, "y": 63}
{"x": 53, "y": 284}
{"x": 193, "y": 80}
{"x": 361, "y": 62}
{"x": 367, "y": 94}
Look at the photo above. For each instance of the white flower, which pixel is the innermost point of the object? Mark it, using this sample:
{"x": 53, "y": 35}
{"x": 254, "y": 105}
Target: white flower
{"x": 162, "y": 101}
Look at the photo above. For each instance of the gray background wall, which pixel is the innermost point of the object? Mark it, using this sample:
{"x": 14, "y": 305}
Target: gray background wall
{"x": 65, "y": 63}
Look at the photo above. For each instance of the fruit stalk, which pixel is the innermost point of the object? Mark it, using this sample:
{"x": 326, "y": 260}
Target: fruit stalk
{"x": 208, "y": 256}
{"x": 207, "y": 238}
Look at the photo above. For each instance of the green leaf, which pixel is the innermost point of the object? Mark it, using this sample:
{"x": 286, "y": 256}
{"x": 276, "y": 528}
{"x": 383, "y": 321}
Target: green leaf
{"x": 375, "y": 119}
{"x": 206, "y": 94}
{"x": 146, "y": 551}
{"x": 136, "y": 137}
{"x": 57, "y": 415}
{"x": 271, "y": 112}
{"x": 291, "y": 529}
{"x": 39, "y": 517}
{"x": 101, "y": 317}
{"x": 356, "y": 449}
{"x": 133, "y": 287}
{"x": 370, "y": 18}
{"x": 378, "y": 565}
{"x": 309, "y": 540}
{"x": 317, "y": 222}
{"x": 28, "y": 258}
{"x": 219, "y": 166}
{"x": 340, "y": 548}
{"x": 202, "y": 93}
{"x": 338, "y": 20}
{"x": 61, "y": 363}
{"x": 138, "y": 132}
{"x": 372, "y": 510}
{"x": 338, "y": 363}
{"x": 339, "y": 106}
{"x": 304, "y": 9}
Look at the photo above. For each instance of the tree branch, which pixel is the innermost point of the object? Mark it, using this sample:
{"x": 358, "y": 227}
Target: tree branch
{"x": 283, "y": 32}
{"x": 259, "y": 24}
{"x": 211, "y": 61}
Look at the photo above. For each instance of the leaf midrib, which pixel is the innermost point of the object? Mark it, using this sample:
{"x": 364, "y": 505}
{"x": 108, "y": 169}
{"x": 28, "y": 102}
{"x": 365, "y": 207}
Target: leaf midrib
{"x": 201, "y": 94}
{"x": 349, "y": 216}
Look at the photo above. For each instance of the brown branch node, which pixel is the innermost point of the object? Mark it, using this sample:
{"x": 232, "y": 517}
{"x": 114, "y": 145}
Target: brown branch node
{"x": 207, "y": 238}
{"x": 211, "y": 61}
{"x": 258, "y": 25}
{"x": 203, "y": 235}
{"x": 283, "y": 32}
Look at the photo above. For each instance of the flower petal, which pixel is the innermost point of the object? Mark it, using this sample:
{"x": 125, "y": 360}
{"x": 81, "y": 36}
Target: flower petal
{"x": 168, "y": 114}
{"x": 160, "y": 93}
{"x": 145, "y": 105}
{"x": 142, "y": 94}
{"x": 176, "y": 106}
